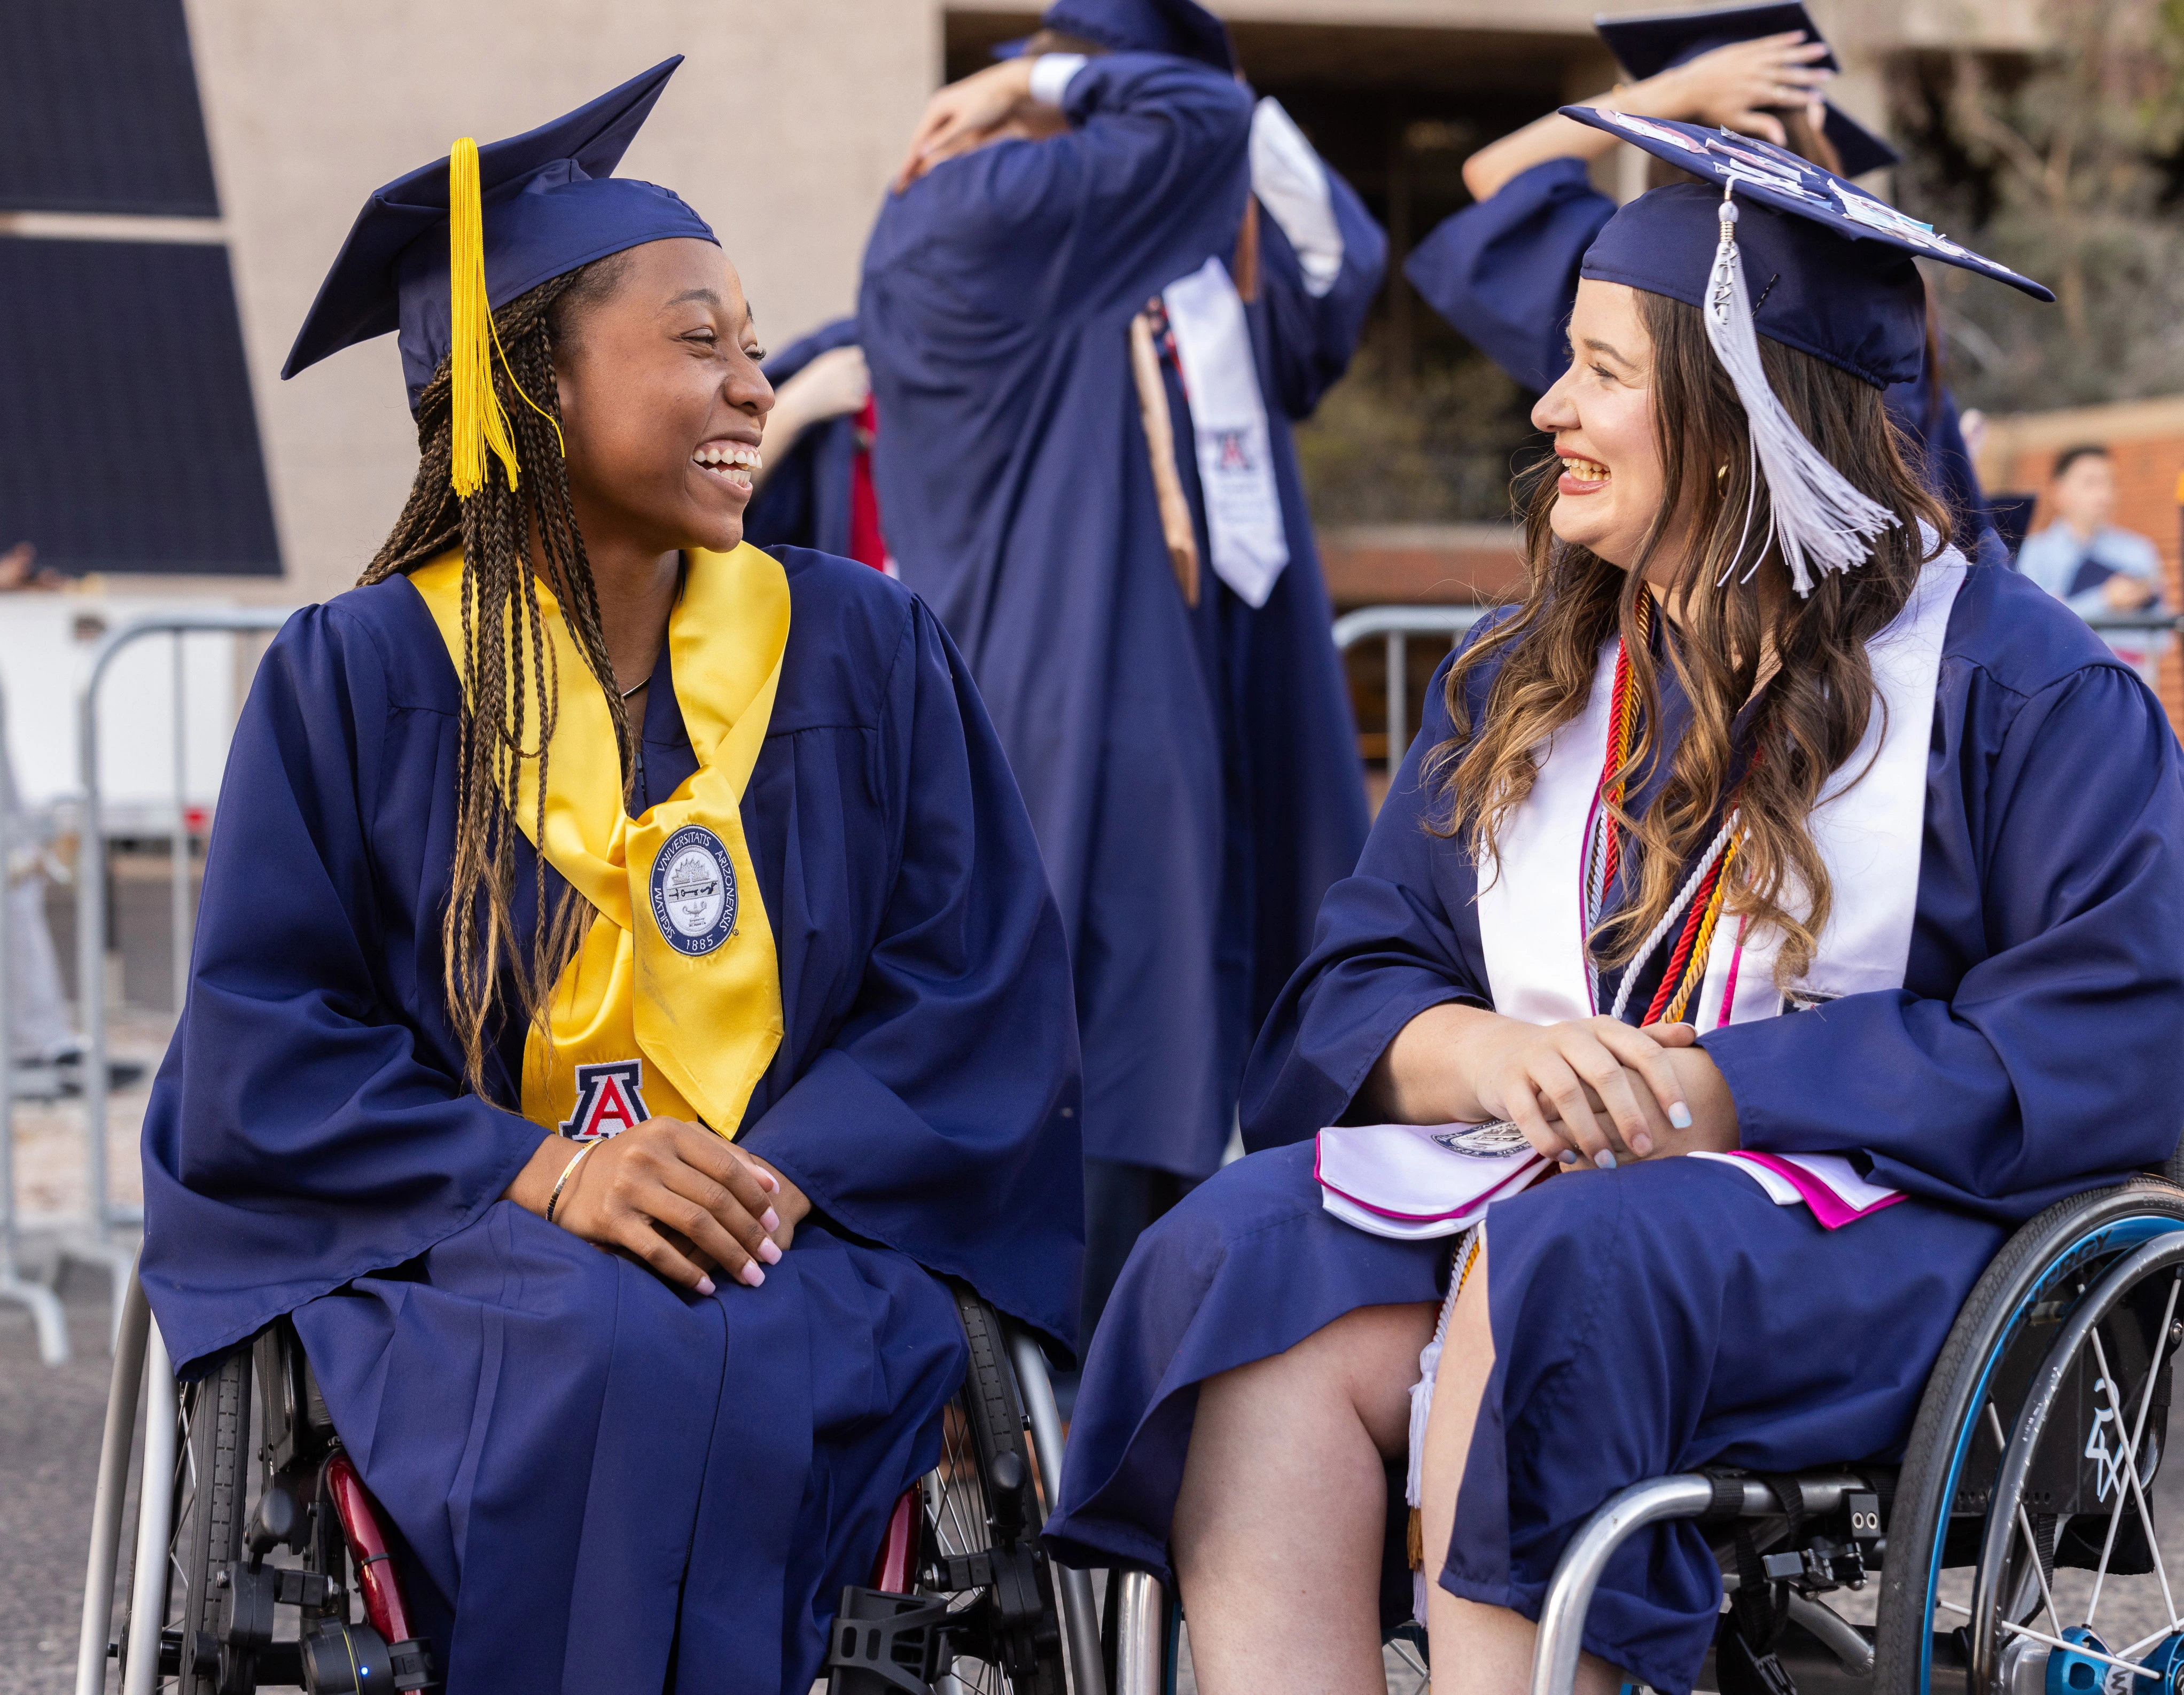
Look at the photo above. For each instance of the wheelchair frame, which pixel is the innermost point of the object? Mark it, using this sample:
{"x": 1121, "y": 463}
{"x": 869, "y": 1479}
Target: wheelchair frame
{"x": 141, "y": 1368}
{"x": 2046, "y": 1293}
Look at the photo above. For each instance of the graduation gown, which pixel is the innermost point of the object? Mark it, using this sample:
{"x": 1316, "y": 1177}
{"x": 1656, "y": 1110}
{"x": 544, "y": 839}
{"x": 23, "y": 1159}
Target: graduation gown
{"x": 592, "y": 1471}
{"x": 804, "y": 502}
{"x": 1669, "y": 1314}
{"x": 1504, "y": 271}
{"x": 1192, "y": 774}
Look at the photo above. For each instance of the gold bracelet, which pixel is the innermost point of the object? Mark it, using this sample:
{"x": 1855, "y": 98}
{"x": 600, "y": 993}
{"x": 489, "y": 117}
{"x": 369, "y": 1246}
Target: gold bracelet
{"x": 562, "y": 1181}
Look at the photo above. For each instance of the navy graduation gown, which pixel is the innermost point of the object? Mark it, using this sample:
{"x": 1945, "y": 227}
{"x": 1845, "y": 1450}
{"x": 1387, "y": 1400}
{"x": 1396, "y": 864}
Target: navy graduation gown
{"x": 1668, "y": 1314}
{"x": 804, "y": 502}
{"x": 590, "y": 1467}
{"x": 1013, "y": 481}
{"x": 1504, "y": 271}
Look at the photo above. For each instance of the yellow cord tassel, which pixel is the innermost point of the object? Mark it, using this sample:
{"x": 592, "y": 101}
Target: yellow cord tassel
{"x": 480, "y": 422}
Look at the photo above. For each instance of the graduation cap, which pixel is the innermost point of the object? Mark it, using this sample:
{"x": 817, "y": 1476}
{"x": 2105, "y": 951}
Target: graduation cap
{"x": 1830, "y": 268}
{"x": 1654, "y": 41}
{"x": 1181, "y": 27}
{"x": 434, "y": 253}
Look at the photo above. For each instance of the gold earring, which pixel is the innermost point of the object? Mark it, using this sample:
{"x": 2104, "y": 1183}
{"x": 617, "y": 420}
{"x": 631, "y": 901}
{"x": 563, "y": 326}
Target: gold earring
{"x": 1721, "y": 476}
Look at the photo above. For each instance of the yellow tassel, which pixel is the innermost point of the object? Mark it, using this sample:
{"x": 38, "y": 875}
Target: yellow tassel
{"x": 480, "y": 422}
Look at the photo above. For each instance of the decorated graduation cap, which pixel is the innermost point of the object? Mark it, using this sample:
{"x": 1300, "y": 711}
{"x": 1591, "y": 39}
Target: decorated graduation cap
{"x": 1181, "y": 27}
{"x": 1654, "y": 41}
{"x": 434, "y": 253}
{"x": 1829, "y": 267}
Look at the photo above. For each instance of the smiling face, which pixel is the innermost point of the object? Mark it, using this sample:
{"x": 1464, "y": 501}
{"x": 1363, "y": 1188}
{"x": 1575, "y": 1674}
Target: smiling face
{"x": 1601, "y": 414}
{"x": 663, "y": 405}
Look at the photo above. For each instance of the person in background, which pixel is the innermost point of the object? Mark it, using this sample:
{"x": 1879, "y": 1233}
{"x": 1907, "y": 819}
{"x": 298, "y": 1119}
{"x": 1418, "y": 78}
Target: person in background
{"x": 20, "y": 570}
{"x": 1503, "y": 270}
{"x": 816, "y": 488}
{"x": 1080, "y": 318}
{"x": 2087, "y": 562}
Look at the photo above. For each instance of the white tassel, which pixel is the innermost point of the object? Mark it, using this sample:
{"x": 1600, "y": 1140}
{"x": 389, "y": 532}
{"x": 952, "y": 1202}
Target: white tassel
{"x": 1819, "y": 521}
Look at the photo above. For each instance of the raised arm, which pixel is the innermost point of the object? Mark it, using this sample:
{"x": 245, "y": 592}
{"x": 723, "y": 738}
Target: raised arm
{"x": 1731, "y": 87}
{"x": 1147, "y": 178}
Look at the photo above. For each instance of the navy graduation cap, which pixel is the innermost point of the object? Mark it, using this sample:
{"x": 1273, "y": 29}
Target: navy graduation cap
{"x": 1830, "y": 268}
{"x": 1181, "y": 27}
{"x": 1651, "y": 42}
{"x": 525, "y": 210}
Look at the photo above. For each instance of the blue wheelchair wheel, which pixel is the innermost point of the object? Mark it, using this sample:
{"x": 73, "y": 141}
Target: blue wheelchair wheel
{"x": 2021, "y": 1553}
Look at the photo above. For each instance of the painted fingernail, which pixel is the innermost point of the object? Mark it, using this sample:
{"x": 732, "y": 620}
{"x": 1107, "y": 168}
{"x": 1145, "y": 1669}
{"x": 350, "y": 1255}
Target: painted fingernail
{"x": 751, "y": 1274}
{"x": 1680, "y": 1115}
{"x": 1568, "y": 1156}
{"x": 768, "y": 1253}
{"x": 769, "y": 1182}
{"x": 1604, "y": 1160}
{"x": 1641, "y": 1144}
{"x": 705, "y": 1285}
{"x": 769, "y": 1221}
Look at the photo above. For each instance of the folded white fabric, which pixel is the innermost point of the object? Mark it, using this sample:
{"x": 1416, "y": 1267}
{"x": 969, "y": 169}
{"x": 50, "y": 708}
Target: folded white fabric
{"x": 1414, "y": 1182}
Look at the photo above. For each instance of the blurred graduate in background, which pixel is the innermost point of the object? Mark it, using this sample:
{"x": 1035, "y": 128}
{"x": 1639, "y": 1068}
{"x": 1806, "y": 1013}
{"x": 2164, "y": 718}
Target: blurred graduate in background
{"x": 1504, "y": 270}
{"x": 1105, "y": 284}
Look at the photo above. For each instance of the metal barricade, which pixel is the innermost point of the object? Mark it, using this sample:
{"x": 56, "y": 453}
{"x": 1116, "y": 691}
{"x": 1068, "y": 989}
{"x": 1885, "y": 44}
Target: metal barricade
{"x": 16, "y": 1288}
{"x": 93, "y": 1243}
{"x": 1395, "y": 625}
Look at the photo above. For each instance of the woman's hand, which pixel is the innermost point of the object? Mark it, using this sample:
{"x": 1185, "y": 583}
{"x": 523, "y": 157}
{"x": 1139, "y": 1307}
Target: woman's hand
{"x": 966, "y": 114}
{"x": 1733, "y": 87}
{"x": 672, "y": 1195}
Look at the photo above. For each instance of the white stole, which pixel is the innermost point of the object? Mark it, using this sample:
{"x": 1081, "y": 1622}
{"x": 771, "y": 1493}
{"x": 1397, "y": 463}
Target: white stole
{"x": 1868, "y": 827}
{"x": 1229, "y": 420}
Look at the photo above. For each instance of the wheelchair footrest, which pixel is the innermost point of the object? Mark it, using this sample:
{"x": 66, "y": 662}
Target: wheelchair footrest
{"x": 882, "y": 1642}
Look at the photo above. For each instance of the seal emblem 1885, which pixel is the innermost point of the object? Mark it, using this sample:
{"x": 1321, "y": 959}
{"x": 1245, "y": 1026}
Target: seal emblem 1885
{"x": 693, "y": 891}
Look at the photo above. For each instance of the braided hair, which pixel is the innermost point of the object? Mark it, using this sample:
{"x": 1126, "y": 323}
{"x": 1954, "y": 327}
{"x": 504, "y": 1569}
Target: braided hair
{"x": 507, "y": 663}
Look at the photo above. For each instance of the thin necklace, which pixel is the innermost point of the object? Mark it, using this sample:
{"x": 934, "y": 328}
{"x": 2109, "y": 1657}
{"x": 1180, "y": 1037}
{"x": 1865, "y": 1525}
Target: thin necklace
{"x": 634, "y": 687}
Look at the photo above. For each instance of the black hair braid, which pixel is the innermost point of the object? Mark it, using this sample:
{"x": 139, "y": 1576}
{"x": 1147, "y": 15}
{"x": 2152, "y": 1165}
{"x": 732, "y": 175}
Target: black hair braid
{"x": 511, "y": 681}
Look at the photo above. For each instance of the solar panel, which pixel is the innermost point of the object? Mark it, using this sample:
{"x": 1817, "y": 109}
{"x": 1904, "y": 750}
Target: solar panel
{"x": 98, "y": 110}
{"x": 128, "y": 440}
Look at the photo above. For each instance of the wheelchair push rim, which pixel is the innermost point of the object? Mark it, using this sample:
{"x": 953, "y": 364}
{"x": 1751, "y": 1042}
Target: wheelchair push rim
{"x": 2044, "y": 1465}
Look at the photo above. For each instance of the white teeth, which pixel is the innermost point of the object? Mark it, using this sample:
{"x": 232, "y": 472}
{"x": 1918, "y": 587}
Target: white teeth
{"x": 728, "y": 453}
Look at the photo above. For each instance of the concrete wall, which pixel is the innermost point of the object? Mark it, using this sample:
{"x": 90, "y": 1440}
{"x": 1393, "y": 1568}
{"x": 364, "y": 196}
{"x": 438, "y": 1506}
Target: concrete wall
{"x": 781, "y": 128}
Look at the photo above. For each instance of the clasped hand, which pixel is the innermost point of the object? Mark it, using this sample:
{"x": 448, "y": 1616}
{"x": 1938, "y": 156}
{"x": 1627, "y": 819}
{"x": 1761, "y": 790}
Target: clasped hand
{"x": 1584, "y": 1089}
{"x": 673, "y": 1196}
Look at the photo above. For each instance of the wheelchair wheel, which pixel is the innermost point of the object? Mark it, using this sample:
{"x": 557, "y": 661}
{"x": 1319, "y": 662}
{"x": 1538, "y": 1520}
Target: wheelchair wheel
{"x": 981, "y": 1618}
{"x": 984, "y": 1515}
{"x": 211, "y": 1479}
{"x": 2021, "y": 1554}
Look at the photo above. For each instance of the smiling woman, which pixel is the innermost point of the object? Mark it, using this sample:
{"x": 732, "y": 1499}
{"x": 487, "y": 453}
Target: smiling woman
{"x": 605, "y": 907}
{"x": 1767, "y": 838}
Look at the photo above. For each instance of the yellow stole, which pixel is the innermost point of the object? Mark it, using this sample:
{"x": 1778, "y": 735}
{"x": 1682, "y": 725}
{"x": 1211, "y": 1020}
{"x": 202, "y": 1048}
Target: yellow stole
{"x": 672, "y": 1005}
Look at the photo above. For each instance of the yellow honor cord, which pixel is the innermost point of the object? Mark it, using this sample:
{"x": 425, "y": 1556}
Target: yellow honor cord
{"x": 480, "y": 422}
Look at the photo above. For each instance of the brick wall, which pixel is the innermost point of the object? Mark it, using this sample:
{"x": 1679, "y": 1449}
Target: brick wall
{"x": 2145, "y": 438}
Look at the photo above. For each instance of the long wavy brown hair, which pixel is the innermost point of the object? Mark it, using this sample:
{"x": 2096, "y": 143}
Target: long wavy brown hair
{"x": 1818, "y": 697}
{"x": 506, "y": 661}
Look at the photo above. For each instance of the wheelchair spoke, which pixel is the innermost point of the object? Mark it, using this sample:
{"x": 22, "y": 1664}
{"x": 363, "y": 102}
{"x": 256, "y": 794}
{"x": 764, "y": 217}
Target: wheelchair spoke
{"x": 2128, "y": 1463}
{"x": 2024, "y": 1526}
{"x": 2079, "y": 1648}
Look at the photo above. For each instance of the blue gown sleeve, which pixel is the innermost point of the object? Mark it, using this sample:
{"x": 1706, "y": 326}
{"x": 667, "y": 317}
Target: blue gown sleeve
{"x": 1397, "y": 936}
{"x": 942, "y": 1117}
{"x": 1312, "y": 339}
{"x": 1103, "y": 216}
{"x": 293, "y": 1085}
{"x": 1504, "y": 270}
{"x": 2057, "y": 1062}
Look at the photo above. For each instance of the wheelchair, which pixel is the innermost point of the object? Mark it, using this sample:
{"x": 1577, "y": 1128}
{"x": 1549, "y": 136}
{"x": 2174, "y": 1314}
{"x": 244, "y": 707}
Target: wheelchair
{"x": 281, "y": 1573}
{"x": 2011, "y": 1552}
